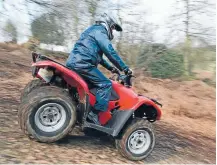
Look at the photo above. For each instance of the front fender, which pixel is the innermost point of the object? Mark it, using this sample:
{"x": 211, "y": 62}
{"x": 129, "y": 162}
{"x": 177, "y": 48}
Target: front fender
{"x": 119, "y": 120}
{"x": 142, "y": 100}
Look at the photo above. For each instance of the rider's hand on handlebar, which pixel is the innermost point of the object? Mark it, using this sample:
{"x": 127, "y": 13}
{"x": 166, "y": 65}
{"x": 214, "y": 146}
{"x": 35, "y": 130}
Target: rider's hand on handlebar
{"x": 115, "y": 70}
{"x": 128, "y": 71}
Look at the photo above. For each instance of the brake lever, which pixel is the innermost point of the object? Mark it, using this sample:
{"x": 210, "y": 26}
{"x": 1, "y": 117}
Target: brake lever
{"x": 131, "y": 75}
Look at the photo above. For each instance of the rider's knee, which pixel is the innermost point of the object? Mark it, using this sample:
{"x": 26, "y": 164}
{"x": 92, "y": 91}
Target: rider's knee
{"x": 108, "y": 83}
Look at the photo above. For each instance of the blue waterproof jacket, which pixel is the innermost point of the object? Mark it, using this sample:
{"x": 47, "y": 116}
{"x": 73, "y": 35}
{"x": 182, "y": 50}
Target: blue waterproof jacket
{"x": 88, "y": 50}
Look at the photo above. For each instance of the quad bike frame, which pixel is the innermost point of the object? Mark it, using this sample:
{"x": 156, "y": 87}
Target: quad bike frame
{"x": 126, "y": 104}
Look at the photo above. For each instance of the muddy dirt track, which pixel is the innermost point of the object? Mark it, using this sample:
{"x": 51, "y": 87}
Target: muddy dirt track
{"x": 186, "y": 133}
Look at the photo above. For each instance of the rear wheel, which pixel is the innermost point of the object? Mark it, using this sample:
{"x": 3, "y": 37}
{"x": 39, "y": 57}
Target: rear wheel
{"x": 47, "y": 114}
{"x": 31, "y": 86}
{"x": 137, "y": 140}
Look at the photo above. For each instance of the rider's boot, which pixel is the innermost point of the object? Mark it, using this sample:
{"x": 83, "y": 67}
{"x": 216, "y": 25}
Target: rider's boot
{"x": 93, "y": 116}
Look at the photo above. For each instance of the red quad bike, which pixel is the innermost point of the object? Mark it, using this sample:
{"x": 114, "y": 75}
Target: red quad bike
{"x": 59, "y": 99}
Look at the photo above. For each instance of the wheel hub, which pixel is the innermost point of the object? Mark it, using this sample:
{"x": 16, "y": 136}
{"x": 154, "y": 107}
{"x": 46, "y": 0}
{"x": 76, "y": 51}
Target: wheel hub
{"x": 50, "y": 117}
{"x": 139, "y": 141}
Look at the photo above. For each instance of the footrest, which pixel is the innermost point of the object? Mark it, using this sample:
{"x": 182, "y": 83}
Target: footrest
{"x": 98, "y": 127}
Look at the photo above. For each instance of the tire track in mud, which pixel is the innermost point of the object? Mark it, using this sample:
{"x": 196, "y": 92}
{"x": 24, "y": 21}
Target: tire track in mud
{"x": 172, "y": 144}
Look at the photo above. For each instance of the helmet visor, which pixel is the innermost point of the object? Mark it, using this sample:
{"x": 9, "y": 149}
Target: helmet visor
{"x": 118, "y": 28}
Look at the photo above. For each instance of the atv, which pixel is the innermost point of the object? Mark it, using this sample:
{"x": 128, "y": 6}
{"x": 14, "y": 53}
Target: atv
{"x": 59, "y": 99}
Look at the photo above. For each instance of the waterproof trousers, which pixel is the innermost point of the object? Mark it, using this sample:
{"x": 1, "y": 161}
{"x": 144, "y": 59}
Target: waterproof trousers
{"x": 102, "y": 84}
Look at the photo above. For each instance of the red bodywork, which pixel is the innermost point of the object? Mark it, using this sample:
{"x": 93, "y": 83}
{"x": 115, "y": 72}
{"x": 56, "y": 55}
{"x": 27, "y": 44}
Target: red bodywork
{"x": 129, "y": 100}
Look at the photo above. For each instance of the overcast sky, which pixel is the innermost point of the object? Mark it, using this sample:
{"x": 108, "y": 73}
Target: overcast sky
{"x": 156, "y": 12}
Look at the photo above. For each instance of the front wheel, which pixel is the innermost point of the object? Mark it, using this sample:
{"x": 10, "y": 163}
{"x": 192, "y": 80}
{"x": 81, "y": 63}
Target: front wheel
{"x": 47, "y": 114}
{"x": 137, "y": 140}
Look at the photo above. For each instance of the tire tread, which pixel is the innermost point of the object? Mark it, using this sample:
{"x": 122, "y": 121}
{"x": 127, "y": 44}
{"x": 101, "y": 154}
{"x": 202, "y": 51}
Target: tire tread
{"x": 35, "y": 96}
{"x": 135, "y": 124}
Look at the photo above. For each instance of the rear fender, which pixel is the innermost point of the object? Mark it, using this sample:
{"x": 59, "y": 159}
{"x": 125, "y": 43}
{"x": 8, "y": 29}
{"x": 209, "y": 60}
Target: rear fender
{"x": 71, "y": 78}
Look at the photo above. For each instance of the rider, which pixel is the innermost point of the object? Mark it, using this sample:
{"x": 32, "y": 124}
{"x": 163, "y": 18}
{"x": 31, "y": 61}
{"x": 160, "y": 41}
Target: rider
{"x": 87, "y": 54}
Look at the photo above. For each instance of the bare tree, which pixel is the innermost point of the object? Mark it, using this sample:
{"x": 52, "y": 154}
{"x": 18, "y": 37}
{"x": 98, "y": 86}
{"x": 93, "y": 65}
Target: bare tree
{"x": 188, "y": 20}
{"x": 92, "y": 8}
{"x": 10, "y": 31}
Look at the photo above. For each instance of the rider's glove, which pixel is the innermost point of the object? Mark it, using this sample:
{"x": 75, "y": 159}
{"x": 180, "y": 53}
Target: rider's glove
{"x": 114, "y": 70}
{"x": 128, "y": 71}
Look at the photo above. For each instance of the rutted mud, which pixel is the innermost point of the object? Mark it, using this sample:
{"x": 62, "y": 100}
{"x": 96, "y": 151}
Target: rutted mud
{"x": 186, "y": 133}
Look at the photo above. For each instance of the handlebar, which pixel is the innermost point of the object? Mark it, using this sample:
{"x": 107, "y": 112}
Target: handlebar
{"x": 123, "y": 79}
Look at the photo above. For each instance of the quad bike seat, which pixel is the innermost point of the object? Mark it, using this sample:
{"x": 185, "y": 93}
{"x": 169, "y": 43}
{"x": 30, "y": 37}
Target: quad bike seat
{"x": 42, "y": 57}
{"x": 114, "y": 96}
